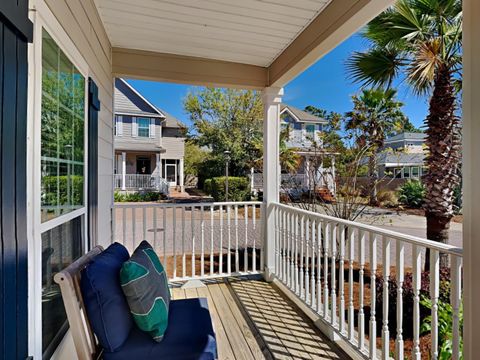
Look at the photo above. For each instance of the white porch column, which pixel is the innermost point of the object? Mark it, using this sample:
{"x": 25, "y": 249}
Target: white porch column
{"x": 308, "y": 179}
{"x": 471, "y": 177}
{"x": 158, "y": 165}
{"x": 181, "y": 175}
{"x": 271, "y": 171}
{"x": 124, "y": 169}
{"x": 334, "y": 185}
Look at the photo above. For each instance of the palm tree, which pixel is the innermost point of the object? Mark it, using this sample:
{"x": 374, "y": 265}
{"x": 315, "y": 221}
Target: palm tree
{"x": 376, "y": 113}
{"x": 419, "y": 41}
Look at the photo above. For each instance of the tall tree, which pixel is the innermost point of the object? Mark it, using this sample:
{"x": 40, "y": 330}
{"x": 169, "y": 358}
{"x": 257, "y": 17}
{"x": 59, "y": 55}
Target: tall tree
{"x": 420, "y": 40}
{"x": 375, "y": 114}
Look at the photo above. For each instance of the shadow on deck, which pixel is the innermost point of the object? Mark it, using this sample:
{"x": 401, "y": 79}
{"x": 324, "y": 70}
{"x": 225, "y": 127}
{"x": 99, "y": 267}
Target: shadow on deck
{"x": 254, "y": 320}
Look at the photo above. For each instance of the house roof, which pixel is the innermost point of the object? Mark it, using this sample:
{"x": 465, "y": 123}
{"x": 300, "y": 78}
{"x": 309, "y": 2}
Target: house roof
{"x": 300, "y": 115}
{"x": 400, "y": 158}
{"x": 406, "y": 136}
{"x": 129, "y": 101}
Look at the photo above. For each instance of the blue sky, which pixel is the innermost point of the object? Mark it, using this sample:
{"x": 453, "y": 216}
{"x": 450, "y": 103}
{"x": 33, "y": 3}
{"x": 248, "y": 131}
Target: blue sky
{"x": 324, "y": 85}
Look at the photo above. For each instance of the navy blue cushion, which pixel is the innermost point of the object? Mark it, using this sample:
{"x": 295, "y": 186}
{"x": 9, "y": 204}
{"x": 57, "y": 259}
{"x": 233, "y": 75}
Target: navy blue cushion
{"x": 189, "y": 336}
{"x": 106, "y": 306}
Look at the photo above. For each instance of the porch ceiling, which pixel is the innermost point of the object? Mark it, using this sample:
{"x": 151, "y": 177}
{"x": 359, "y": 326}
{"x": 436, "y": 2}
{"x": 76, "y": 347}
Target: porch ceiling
{"x": 248, "y": 43}
{"x": 248, "y": 31}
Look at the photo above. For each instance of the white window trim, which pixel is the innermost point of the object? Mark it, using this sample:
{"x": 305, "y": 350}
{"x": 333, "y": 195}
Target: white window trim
{"x": 42, "y": 17}
{"x": 119, "y": 125}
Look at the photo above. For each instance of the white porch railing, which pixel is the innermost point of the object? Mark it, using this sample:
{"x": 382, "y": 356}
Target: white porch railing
{"x": 320, "y": 258}
{"x": 140, "y": 182}
{"x": 198, "y": 239}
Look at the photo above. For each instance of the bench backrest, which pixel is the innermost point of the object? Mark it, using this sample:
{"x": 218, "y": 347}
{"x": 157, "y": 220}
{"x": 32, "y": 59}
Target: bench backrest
{"x": 84, "y": 340}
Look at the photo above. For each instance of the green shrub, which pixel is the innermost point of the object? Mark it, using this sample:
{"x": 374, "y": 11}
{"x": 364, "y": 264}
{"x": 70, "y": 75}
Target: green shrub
{"x": 137, "y": 196}
{"x": 412, "y": 194}
{"x": 238, "y": 188}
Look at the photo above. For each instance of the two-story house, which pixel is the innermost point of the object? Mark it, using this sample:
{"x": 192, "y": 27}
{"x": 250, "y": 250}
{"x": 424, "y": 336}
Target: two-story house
{"x": 402, "y": 156}
{"x": 305, "y": 129}
{"x": 149, "y": 143}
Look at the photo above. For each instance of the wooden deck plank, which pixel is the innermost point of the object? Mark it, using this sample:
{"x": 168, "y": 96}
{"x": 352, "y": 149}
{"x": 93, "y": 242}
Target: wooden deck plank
{"x": 178, "y": 293}
{"x": 224, "y": 347}
{"x": 234, "y": 333}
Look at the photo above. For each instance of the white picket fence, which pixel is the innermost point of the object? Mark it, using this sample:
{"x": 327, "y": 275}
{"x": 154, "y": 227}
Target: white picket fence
{"x": 311, "y": 249}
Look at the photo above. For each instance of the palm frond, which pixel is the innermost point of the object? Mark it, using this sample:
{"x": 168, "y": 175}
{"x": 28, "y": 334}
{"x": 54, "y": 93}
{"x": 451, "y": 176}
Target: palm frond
{"x": 421, "y": 70}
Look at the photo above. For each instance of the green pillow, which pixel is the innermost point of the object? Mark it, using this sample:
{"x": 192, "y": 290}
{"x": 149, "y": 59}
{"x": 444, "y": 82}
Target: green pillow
{"x": 145, "y": 285}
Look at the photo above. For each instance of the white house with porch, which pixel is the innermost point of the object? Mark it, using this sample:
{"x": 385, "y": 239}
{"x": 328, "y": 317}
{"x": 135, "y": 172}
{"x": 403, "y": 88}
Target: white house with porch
{"x": 149, "y": 144}
{"x": 57, "y": 70}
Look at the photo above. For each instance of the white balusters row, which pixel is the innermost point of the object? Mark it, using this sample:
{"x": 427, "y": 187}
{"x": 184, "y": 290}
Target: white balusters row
{"x": 195, "y": 240}
{"x": 325, "y": 262}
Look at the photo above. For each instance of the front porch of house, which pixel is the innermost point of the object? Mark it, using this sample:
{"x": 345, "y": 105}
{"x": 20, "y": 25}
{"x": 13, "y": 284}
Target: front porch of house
{"x": 148, "y": 171}
{"x": 338, "y": 273}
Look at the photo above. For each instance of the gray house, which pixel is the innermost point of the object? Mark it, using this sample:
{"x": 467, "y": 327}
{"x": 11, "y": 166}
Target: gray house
{"x": 403, "y": 156}
{"x": 149, "y": 143}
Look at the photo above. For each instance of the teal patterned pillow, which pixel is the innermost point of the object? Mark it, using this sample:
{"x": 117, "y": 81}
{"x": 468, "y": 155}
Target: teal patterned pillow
{"x": 145, "y": 285}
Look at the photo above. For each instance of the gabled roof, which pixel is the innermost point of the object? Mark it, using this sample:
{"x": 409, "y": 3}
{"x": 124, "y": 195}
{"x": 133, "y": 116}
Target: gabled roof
{"x": 406, "y": 136}
{"x": 400, "y": 158}
{"x": 129, "y": 101}
{"x": 300, "y": 115}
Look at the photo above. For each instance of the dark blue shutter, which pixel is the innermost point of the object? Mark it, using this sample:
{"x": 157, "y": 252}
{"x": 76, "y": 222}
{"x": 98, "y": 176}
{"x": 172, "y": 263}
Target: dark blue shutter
{"x": 93, "y": 109}
{"x": 15, "y": 32}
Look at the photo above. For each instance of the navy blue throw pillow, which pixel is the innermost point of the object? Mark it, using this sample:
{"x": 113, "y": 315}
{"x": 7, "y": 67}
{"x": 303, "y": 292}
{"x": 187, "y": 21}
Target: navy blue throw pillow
{"x": 106, "y": 306}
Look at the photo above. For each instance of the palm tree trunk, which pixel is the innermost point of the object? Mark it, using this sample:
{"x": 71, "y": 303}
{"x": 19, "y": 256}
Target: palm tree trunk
{"x": 373, "y": 175}
{"x": 443, "y": 159}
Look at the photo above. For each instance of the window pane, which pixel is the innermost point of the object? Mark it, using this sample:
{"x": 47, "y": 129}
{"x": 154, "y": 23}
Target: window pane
{"x": 143, "y": 127}
{"x": 60, "y": 247}
{"x": 415, "y": 171}
{"x": 310, "y": 129}
{"x": 63, "y": 132}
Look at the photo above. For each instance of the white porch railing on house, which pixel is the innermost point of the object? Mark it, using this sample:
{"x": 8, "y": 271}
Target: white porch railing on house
{"x": 198, "y": 239}
{"x": 141, "y": 182}
{"x": 320, "y": 258}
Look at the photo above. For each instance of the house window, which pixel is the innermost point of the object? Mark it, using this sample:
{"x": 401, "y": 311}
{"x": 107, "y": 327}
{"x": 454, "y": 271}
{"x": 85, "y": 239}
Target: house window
{"x": 143, "y": 127}
{"x": 397, "y": 173}
{"x": 310, "y": 129}
{"x": 320, "y": 127}
{"x": 297, "y": 125}
{"x": 415, "y": 172}
{"x": 62, "y": 186}
{"x": 406, "y": 172}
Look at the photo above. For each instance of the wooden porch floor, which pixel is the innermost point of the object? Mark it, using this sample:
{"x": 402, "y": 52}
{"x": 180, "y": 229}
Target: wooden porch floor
{"x": 255, "y": 320}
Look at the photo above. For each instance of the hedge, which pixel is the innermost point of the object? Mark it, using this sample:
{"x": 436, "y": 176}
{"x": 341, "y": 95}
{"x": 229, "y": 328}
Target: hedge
{"x": 238, "y": 188}
{"x": 50, "y": 191}
{"x": 138, "y": 196}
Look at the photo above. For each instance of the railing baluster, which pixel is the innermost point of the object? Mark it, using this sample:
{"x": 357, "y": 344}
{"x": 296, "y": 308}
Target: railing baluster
{"x": 245, "y": 252}
{"x": 284, "y": 246}
{"x": 313, "y": 301}
{"x": 373, "y": 296}
{"x": 262, "y": 235}
{"x": 220, "y": 255}
{"x": 144, "y": 222}
{"x": 455, "y": 301}
{"x": 295, "y": 255}
{"x": 174, "y": 232}
{"x": 211, "y": 239}
{"x": 319, "y": 265}
{"x": 165, "y": 236}
{"x": 155, "y": 229}
{"x": 202, "y": 250}
{"x": 341, "y": 280}
{"x": 289, "y": 270}
{"x": 302, "y": 242}
{"x": 434, "y": 293}
{"x": 386, "y": 275}
{"x": 333, "y": 282}
{"x": 254, "y": 245}
{"x": 361, "y": 295}
{"x": 237, "y": 263}
{"x": 400, "y": 247}
{"x": 229, "y": 240}
{"x": 417, "y": 284}
{"x": 134, "y": 227}
{"x": 184, "y": 255}
{"x": 307, "y": 258}
{"x": 124, "y": 226}
{"x": 351, "y": 309}
{"x": 192, "y": 223}
{"x": 326, "y": 239}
